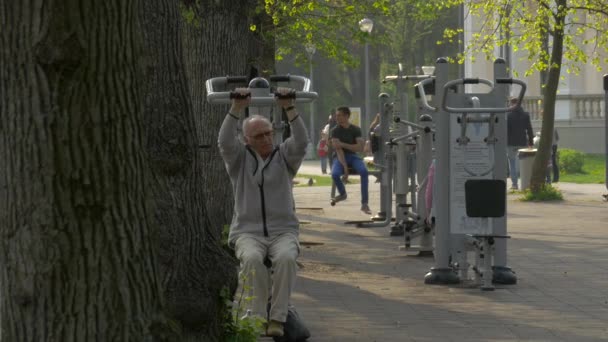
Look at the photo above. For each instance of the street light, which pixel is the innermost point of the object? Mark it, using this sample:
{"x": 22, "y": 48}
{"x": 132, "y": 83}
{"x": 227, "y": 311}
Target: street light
{"x": 310, "y": 51}
{"x": 366, "y": 25}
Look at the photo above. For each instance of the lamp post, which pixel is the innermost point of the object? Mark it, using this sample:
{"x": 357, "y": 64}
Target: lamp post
{"x": 366, "y": 25}
{"x": 310, "y": 51}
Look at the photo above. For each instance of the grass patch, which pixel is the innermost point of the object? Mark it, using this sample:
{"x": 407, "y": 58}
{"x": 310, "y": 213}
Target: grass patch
{"x": 546, "y": 193}
{"x": 594, "y": 171}
{"x": 324, "y": 180}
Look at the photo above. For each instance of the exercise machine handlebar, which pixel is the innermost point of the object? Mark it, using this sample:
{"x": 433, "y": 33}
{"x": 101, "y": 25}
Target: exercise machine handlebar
{"x": 426, "y": 129}
{"x": 405, "y": 77}
{"x": 464, "y": 81}
{"x": 420, "y": 86}
{"x": 451, "y": 84}
{"x": 304, "y": 95}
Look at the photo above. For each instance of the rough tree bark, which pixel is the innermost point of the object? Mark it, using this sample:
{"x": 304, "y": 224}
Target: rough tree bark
{"x": 191, "y": 190}
{"x": 218, "y": 42}
{"x": 77, "y": 256}
{"x": 110, "y": 212}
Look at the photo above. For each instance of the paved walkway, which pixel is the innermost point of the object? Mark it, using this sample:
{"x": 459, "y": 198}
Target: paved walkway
{"x": 355, "y": 285}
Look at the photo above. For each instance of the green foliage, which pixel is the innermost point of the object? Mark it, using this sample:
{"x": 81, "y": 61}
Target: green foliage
{"x": 225, "y": 234}
{"x": 571, "y": 161}
{"x": 322, "y": 180}
{"x": 239, "y": 325}
{"x": 224, "y": 241}
{"x": 188, "y": 12}
{"x": 594, "y": 171}
{"x": 527, "y": 25}
{"x": 547, "y": 193}
{"x": 554, "y": 35}
{"x": 331, "y": 25}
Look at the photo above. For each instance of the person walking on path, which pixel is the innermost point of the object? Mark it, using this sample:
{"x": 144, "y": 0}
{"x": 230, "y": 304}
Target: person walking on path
{"x": 264, "y": 225}
{"x": 347, "y": 141}
{"x": 519, "y": 135}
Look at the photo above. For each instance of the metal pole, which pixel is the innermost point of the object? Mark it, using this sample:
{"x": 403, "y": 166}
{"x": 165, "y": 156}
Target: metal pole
{"x": 312, "y": 108}
{"x": 441, "y": 273}
{"x": 367, "y": 104}
{"x": 442, "y": 174}
{"x": 606, "y": 119}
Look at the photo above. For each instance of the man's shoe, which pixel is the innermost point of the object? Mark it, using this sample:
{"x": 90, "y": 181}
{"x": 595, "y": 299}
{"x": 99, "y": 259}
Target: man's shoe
{"x": 339, "y": 198}
{"x": 365, "y": 209}
{"x": 275, "y": 329}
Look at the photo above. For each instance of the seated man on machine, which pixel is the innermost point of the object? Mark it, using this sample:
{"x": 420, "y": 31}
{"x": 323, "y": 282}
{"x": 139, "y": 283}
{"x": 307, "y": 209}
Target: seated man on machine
{"x": 267, "y": 228}
{"x": 346, "y": 139}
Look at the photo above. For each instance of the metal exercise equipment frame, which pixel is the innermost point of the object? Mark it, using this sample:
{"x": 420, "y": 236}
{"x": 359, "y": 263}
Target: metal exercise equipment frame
{"x": 220, "y": 90}
{"x": 606, "y": 131}
{"x": 396, "y": 162}
{"x": 470, "y": 194}
{"x": 413, "y": 156}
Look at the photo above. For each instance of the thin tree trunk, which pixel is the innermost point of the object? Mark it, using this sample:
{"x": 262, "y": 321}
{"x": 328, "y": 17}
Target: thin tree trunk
{"x": 539, "y": 167}
{"x": 77, "y": 257}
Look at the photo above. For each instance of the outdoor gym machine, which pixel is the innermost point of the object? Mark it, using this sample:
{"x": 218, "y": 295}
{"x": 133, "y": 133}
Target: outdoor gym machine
{"x": 413, "y": 163}
{"x": 220, "y": 90}
{"x": 470, "y": 190}
{"x": 413, "y": 157}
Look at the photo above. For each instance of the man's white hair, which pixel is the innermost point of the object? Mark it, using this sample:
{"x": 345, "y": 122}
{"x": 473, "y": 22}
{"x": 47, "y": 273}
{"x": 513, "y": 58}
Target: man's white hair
{"x": 247, "y": 123}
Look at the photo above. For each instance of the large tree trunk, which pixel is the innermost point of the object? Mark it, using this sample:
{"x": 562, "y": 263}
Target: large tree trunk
{"x": 539, "y": 167}
{"x": 110, "y": 211}
{"x": 192, "y": 191}
{"x": 189, "y": 213}
{"x": 77, "y": 256}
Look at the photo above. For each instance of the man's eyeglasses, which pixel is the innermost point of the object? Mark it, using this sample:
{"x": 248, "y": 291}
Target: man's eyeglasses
{"x": 260, "y": 136}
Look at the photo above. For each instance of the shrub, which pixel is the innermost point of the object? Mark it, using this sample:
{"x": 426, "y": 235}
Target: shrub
{"x": 571, "y": 161}
{"x": 547, "y": 193}
{"x": 239, "y": 324}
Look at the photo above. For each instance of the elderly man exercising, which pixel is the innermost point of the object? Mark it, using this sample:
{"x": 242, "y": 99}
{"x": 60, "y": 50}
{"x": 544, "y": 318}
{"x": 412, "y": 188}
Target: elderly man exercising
{"x": 264, "y": 224}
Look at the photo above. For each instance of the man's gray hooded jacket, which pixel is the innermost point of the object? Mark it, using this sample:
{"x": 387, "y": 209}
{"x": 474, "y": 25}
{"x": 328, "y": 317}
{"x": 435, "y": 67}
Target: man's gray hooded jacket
{"x": 263, "y": 197}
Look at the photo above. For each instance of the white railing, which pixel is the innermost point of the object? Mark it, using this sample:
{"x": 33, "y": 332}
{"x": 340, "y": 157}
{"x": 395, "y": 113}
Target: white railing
{"x": 582, "y": 107}
{"x": 589, "y": 106}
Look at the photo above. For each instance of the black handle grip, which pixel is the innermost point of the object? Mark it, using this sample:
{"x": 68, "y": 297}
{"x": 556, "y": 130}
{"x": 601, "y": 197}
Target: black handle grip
{"x": 236, "y": 79}
{"x": 470, "y": 80}
{"x": 504, "y": 80}
{"x": 239, "y": 96}
{"x": 397, "y": 119}
{"x": 280, "y": 78}
{"x": 289, "y": 95}
{"x": 606, "y": 82}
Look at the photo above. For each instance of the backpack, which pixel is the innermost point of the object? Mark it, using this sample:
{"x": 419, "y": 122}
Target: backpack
{"x": 294, "y": 328}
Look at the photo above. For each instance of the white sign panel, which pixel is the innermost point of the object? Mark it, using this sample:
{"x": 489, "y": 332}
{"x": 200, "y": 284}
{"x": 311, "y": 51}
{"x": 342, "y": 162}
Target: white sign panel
{"x": 475, "y": 156}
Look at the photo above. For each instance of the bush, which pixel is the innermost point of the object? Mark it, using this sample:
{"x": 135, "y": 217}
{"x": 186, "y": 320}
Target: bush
{"x": 547, "y": 193}
{"x": 239, "y": 324}
{"x": 571, "y": 161}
